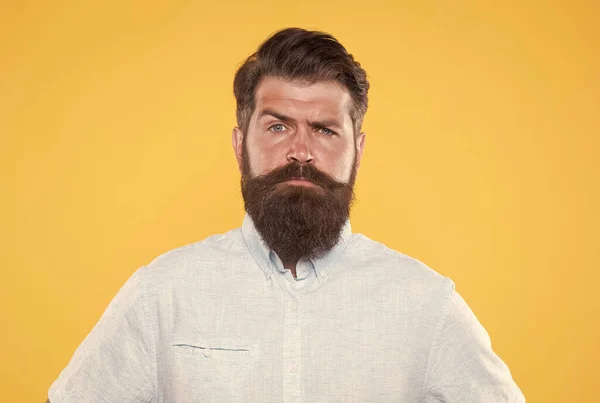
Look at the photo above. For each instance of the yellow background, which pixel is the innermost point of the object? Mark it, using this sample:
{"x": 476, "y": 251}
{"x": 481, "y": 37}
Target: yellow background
{"x": 481, "y": 160}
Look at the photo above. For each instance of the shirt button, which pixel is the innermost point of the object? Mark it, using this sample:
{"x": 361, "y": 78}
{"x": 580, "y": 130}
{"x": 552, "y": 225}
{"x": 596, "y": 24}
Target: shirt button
{"x": 294, "y": 305}
{"x": 292, "y": 368}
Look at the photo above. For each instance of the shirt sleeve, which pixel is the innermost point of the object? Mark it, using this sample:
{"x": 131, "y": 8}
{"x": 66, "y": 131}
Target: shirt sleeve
{"x": 462, "y": 366}
{"x": 115, "y": 362}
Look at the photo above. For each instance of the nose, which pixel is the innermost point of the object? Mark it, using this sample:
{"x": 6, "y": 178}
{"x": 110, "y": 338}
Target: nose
{"x": 300, "y": 149}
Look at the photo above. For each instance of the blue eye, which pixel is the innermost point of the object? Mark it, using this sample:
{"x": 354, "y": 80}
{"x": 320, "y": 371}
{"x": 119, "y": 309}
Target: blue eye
{"x": 278, "y": 128}
{"x": 326, "y": 131}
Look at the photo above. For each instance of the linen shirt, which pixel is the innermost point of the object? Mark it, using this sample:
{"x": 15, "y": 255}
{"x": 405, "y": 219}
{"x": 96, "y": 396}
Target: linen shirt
{"x": 222, "y": 320}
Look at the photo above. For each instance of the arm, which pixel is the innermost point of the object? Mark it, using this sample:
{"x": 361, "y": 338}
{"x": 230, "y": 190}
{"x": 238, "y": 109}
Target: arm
{"x": 115, "y": 362}
{"x": 462, "y": 365}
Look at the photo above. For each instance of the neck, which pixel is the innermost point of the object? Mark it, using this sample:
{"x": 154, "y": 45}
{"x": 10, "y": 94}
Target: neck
{"x": 291, "y": 266}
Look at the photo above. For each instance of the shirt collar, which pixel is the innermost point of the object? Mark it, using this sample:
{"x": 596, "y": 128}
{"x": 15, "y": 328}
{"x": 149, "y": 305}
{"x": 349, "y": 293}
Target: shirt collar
{"x": 261, "y": 251}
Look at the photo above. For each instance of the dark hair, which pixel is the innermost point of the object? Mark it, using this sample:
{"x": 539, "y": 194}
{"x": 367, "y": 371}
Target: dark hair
{"x": 299, "y": 55}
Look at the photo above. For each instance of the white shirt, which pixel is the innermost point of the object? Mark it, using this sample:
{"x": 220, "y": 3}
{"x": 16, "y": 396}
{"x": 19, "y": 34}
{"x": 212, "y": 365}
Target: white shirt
{"x": 221, "y": 320}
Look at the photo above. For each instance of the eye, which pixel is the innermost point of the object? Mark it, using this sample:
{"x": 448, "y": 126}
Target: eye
{"x": 278, "y": 128}
{"x": 326, "y": 131}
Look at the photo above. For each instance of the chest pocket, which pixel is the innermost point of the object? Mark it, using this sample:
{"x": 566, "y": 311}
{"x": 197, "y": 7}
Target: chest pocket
{"x": 219, "y": 364}
{"x": 221, "y": 346}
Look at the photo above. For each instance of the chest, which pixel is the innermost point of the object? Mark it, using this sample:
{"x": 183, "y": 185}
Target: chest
{"x": 317, "y": 348}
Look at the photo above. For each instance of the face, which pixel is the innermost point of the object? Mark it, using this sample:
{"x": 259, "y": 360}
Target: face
{"x": 299, "y": 160}
{"x": 308, "y": 124}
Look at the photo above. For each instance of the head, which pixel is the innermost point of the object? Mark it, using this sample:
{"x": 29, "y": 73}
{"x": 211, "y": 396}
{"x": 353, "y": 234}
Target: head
{"x": 301, "y": 99}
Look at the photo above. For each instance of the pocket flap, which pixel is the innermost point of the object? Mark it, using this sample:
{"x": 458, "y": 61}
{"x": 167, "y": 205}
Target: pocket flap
{"x": 208, "y": 345}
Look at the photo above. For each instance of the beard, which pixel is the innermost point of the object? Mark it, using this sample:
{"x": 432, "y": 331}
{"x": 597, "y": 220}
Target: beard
{"x": 297, "y": 221}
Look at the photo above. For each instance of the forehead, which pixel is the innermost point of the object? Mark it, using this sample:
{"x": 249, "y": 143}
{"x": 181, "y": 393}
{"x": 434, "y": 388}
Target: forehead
{"x": 318, "y": 99}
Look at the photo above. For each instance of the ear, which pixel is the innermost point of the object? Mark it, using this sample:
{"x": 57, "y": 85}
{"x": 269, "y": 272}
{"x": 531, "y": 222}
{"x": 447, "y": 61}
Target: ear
{"x": 237, "y": 139}
{"x": 360, "y": 147}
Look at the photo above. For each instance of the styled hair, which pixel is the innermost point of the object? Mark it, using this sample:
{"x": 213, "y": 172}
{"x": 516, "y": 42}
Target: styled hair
{"x": 299, "y": 55}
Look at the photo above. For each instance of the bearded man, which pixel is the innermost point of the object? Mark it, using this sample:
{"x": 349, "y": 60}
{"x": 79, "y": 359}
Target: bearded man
{"x": 292, "y": 306}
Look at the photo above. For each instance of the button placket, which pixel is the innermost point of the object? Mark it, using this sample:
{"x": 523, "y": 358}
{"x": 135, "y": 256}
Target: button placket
{"x": 292, "y": 350}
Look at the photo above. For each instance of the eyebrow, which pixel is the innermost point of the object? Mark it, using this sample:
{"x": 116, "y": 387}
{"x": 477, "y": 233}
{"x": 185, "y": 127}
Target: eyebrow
{"x": 276, "y": 115}
{"x": 287, "y": 119}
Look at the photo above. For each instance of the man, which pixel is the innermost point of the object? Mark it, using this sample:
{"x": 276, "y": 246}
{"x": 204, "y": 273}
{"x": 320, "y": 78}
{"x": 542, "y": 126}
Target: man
{"x": 292, "y": 306}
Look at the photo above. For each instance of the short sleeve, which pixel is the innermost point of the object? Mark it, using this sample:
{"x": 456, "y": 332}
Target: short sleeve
{"x": 115, "y": 362}
{"x": 462, "y": 367}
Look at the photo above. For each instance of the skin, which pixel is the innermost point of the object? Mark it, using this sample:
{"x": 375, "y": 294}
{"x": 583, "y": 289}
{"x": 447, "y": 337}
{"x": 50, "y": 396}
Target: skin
{"x": 310, "y": 124}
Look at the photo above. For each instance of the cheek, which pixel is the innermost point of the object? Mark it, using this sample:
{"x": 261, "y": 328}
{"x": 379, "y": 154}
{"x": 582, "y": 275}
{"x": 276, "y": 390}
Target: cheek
{"x": 264, "y": 158}
{"x": 339, "y": 163}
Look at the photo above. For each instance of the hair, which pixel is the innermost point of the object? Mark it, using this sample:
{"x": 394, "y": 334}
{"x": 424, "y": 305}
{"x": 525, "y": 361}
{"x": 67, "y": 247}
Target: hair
{"x": 302, "y": 56}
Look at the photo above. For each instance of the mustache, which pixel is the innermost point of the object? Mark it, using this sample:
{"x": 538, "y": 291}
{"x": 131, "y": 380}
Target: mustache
{"x": 296, "y": 170}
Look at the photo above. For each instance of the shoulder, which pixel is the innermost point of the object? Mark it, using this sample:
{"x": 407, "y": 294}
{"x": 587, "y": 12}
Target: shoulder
{"x": 409, "y": 275}
{"x": 195, "y": 260}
